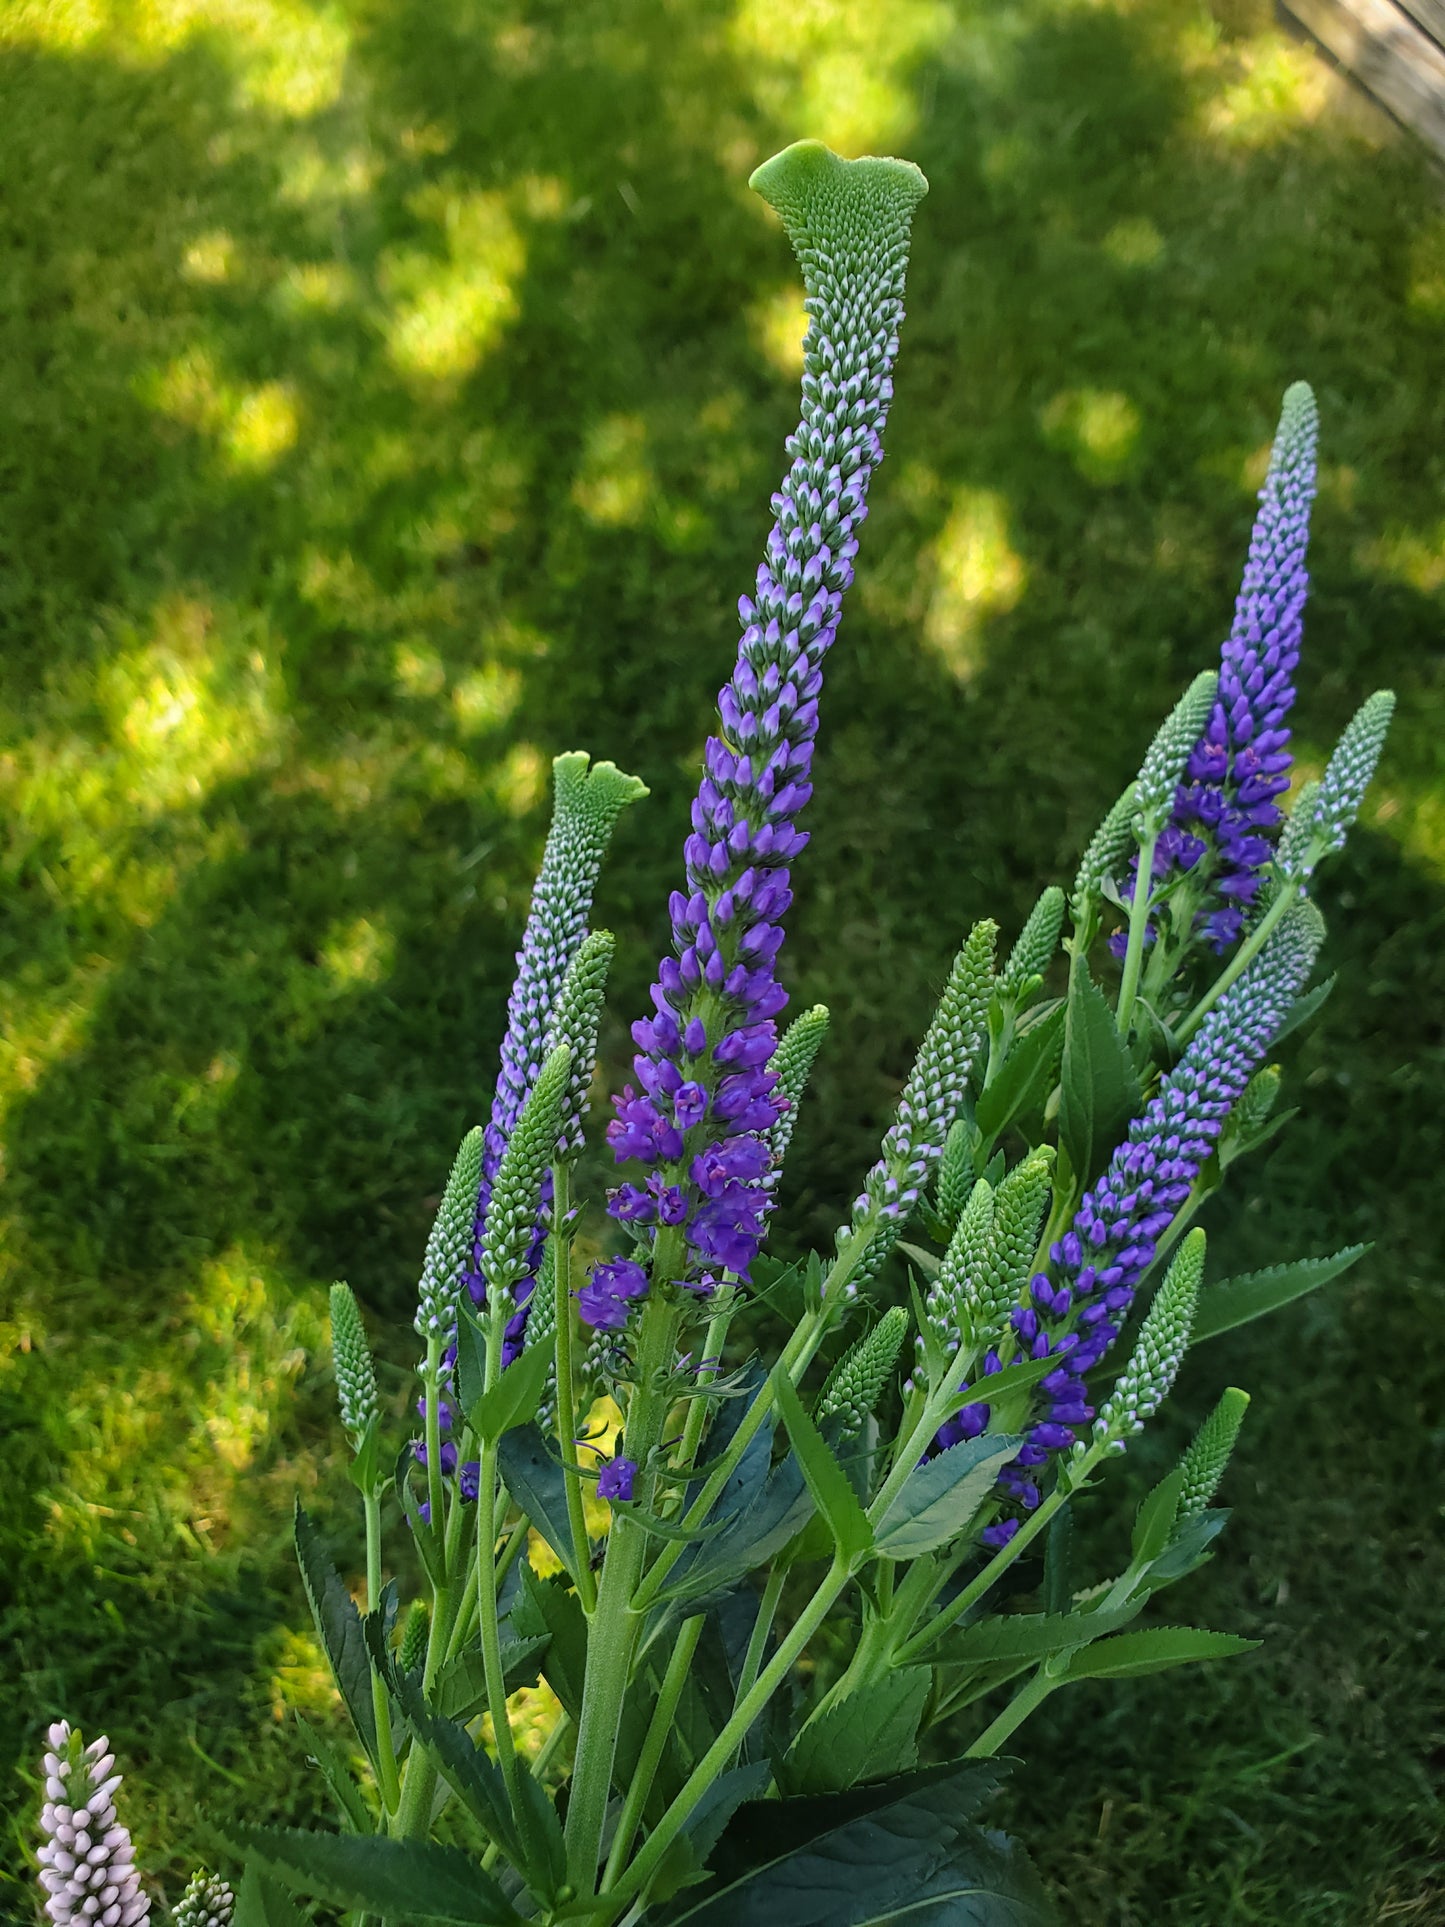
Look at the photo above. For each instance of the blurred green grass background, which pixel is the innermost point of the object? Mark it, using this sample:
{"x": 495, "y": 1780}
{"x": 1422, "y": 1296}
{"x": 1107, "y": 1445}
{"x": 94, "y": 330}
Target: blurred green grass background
{"x": 391, "y": 395}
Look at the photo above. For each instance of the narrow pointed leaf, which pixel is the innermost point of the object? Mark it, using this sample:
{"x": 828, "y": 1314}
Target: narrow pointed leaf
{"x": 937, "y": 1500}
{"x": 514, "y": 1399}
{"x": 1237, "y": 1300}
{"x": 1131, "y": 1655}
{"x": 538, "y": 1485}
{"x": 1026, "y": 1077}
{"x": 1099, "y": 1093}
{"x": 869, "y": 1734}
{"x": 262, "y": 1902}
{"x": 826, "y": 1479}
{"x": 406, "y": 1878}
{"x": 339, "y": 1625}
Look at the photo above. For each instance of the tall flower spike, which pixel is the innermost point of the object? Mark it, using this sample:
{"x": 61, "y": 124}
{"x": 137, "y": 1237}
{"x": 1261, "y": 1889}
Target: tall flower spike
{"x": 1155, "y": 789}
{"x": 929, "y": 1105}
{"x": 1241, "y": 762}
{"x": 355, "y": 1376}
{"x": 1038, "y": 940}
{"x": 1076, "y": 1309}
{"x": 207, "y": 1902}
{"x": 449, "y": 1245}
{"x": 951, "y": 1306}
{"x": 575, "y": 1023}
{"x": 1145, "y": 1382}
{"x": 705, "y": 1102}
{"x": 1107, "y": 857}
{"x": 856, "y": 1382}
{"x": 1330, "y": 812}
{"x": 792, "y": 1064}
{"x": 87, "y": 1862}
{"x": 1204, "y": 1464}
{"x": 588, "y": 798}
{"x": 517, "y": 1191}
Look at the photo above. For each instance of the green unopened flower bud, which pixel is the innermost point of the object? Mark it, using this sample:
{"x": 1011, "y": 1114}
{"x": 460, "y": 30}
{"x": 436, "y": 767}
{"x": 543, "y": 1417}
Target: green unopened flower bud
{"x": 1168, "y": 753}
{"x": 1038, "y": 940}
{"x": 1143, "y": 1385}
{"x": 412, "y": 1650}
{"x": 951, "y": 1304}
{"x": 856, "y": 1382}
{"x": 1335, "y": 803}
{"x": 207, "y": 1902}
{"x": 1107, "y": 857}
{"x": 955, "y": 1174}
{"x": 792, "y": 1063}
{"x": 355, "y": 1378}
{"x": 449, "y": 1247}
{"x": 1203, "y": 1465}
{"x": 575, "y": 1022}
{"x": 517, "y": 1192}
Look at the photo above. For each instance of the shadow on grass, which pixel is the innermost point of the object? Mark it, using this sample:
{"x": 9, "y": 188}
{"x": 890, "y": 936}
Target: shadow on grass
{"x": 389, "y": 420}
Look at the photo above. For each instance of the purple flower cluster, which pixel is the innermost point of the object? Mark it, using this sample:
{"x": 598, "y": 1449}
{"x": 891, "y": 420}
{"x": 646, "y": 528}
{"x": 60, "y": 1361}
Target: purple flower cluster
{"x": 87, "y": 1864}
{"x": 705, "y": 1100}
{"x": 1075, "y": 1315}
{"x": 1241, "y": 764}
{"x": 616, "y": 1480}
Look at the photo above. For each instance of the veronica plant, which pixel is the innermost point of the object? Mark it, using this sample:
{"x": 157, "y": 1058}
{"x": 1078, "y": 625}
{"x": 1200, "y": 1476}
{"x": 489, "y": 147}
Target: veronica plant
{"x": 611, "y": 1495}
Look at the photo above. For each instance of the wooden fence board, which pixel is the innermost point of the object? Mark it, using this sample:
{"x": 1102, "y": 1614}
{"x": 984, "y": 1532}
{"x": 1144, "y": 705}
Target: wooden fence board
{"x": 1388, "y": 54}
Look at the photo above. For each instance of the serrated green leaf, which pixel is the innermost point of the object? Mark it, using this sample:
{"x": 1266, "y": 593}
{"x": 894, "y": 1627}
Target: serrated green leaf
{"x": 1099, "y": 1093}
{"x": 916, "y": 1858}
{"x": 538, "y": 1485}
{"x": 826, "y": 1479}
{"x": 1008, "y": 1638}
{"x": 870, "y": 1734}
{"x": 339, "y": 1625}
{"x": 566, "y": 1658}
{"x": 685, "y": 1862}
{"x": 547, "y": 1861}
{"x": 461, "y": 1690}
{"x": 758, "y": 1533}
{"x": 514, "y": 1399}
{"x": 428, "y": 1543}
{"x": 261, "y": 1902}
{"x": 407, "y": 1878}
{"x": 1131, "y": 1655}
{"x": 1304, "y": 1008}
{"x": 1154, "y": 1522}
{"x": 335, "y": 1769}
{"x": 471, "y": 1356}
{"x": 468, "y": 1770}
{"x": 937, "y": 1500}
{"x": 1237, "y": 1300}
{"x": 1025, "y": 1078}
{"x": 1187, "y": 1550}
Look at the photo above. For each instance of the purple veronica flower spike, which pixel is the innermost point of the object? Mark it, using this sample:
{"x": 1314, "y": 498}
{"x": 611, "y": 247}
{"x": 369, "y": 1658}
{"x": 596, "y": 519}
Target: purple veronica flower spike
{"x": 1241, "y": 764}
{"x": 705, "y": 1100}
{"x": 1075, "y": 1315}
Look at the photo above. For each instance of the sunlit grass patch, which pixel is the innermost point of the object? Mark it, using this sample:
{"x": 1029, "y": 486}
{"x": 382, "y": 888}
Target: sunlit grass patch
{"x": 1097, "y": 428}
{"x": 450, "y": 303}
{"x": 836, "y": 72}
{"x": 978, "y": 574}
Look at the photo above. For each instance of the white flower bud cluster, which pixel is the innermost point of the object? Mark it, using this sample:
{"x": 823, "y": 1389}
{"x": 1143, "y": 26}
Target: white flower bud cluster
{"x": 87, "y": 1862}
{"x": 207, "y": 1902}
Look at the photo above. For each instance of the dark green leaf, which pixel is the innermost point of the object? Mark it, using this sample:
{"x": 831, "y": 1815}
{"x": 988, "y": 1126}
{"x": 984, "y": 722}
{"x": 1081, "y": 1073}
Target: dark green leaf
{"x": 461, "y": 1688}
{"x": 471, "y": 1357}
{"x": 684, "y": 1863}
{"x": 1304, "y": 1008}
{"x": 1007, "y": 1638}
{"x": 336, "y": 1771}
{"x": 916, "y": 1859}
{"x": 560, "y": 1611}
{"x": 339, "y": 1625}
{"x": 260, "y": 1902}
{"x": 1023, "y": 1082}
{"x": 1130, "y": 1655}
{"x": 363, "y": 1467}
{"x": 1154, "y": 1522}
{"x": 1237, "y": 1300}
{"x": 758, "y": 1535}
{"x": 514, "y": 1399}
{"x": 538, "y": 1485}
{"x": 1188, "y": 1549}
{"x": 938, "y": 1500}
{"x": 468, "y": 1770}
{"x": 826, "y": 1479}
{"x": 1099, "y": 1091}
{"x": 1059, "y": 1562}
{"x": 428, "y": 1543}
{"x": 928, "y": 1262}
{"x": 547, "y": 1855}
{"x": 407, "y": 1878}
{"x": 870, "y": 1734}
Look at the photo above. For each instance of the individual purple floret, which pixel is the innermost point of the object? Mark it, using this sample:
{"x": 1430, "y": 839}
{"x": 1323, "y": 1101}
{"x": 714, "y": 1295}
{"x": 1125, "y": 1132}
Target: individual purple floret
{"x": 705, "y": 1099}
{"x": 616, "y": 1480}
{"x": 1242, "y": 762}
{"x": 1075, "y": 1311}
{"x": 87, "y": 1861}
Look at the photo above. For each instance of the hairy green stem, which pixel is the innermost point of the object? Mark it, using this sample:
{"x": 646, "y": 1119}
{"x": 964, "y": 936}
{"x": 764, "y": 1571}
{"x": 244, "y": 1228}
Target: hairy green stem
{"x": 1027, "y": 1700}
{"x": 1139, "y": 905}
{"x": 1240, "y": 962}
{"x": 650, "y": 1758}
{"x": 567, "y": 1386}
{"x": 380, "y": 1701}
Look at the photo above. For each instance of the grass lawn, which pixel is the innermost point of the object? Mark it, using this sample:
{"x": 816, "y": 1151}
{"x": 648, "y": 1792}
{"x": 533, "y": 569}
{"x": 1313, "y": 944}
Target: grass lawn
{"x": 391, "y": 395}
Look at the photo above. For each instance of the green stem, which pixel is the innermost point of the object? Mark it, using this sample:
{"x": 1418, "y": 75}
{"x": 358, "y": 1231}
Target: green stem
{"x": 549, "y": 1748}
{"x": 1138, "y": 922}
{"x": 797, "y": 1356}
{"x": 758, "y": 1639}
{"x": 381, "y": 1703}
{"x": 613, "y": 1630}
{"x": 1240, "y": 962}
{"x": 747, "y": 1710}
{"x": 1027, "y": 1700}
{"x": 567, "y": 1387}
{"x": 652, "y": 1747}
{"x": 698, "y": 1409}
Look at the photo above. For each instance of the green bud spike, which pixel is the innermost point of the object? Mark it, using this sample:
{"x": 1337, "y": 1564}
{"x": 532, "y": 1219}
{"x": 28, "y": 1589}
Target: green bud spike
{"x": 1018, "y": 1211}
{"x": 792, "y": 1062}
{"x": 517, "y": 1192}
{"x": 542, "y": 1318}
{"x": 1038, "y": 940}
{"x": 412, "y": 1650}
{"x": 931, "y": 1101}
{"x": 856, "y": 1382}
{"x": 1164, "y": 763}
{"x": 848, "y": 222}
{"x": 1260, "y": 1095}
{"x": 207, "y": 1902}
{"x": 955, "y": 1174}
{"x": 1336, "y": 803}
{"x": 1299, "y": 425}
{"x": 1296, "y": 855}
{"x": 1107, "y": 856}
{"x": 355, "y": 1379}
{"x": 1144, "y": 1383}
{"x": 1203, "y": 1465}
{"x": 575, "y": 1022}
{"x": 449, "y": 1247}
{"x": 952, "y": 1301}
